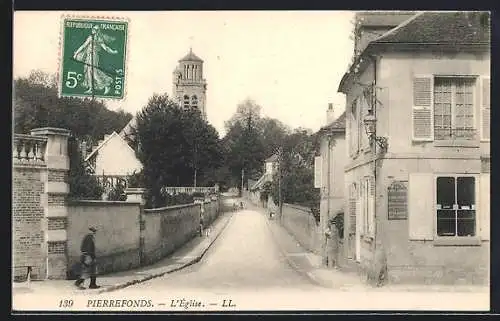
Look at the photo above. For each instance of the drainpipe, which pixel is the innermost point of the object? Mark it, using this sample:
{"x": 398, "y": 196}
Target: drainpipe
{"x": 328, "y": 187}
{"x": 374, "y": 108}
{"x": 378, "y": 256}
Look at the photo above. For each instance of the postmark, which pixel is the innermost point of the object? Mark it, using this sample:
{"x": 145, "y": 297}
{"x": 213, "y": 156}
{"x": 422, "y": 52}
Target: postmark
{"x": 93, "y": 58}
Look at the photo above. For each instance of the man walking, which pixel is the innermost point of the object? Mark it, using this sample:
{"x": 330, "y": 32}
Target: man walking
{"x": 87, "y": 259}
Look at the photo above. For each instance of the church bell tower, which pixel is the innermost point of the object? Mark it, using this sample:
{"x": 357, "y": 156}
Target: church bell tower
{"x": 189, "y": 86}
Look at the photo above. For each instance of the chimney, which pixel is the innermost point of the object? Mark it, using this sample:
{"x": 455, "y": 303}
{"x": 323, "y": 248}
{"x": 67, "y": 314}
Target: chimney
{"x": 329, "y": 114}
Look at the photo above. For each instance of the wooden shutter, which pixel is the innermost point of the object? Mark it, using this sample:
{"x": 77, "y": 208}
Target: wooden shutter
{"x": 359, "y": 125}
{"x": 422, "y": 111}
{"x": 421, "y": 210}
{"x": 317, "y": 171}
{"x": 352, "y": 208}
{"x": 371, "y": 206}
{"x": 363, "y": 106}
{"x": 484, "y": 206}
{"x": 359, "y": 209}
{"x": 485, "y": 108}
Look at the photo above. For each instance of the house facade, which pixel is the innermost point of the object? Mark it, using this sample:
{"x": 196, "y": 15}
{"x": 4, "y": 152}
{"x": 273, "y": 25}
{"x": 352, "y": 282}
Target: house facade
{"x": 255, "y": 188}
{"x": 418, "y": 145}
{"x": 333, "y": 160}
{"x": 113, "y": 157}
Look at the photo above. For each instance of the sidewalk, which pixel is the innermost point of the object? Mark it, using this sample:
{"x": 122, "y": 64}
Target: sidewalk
{"x": 307, "y": 263}
{"x": 187, "y": 255}
{"x": 310, "y": 265}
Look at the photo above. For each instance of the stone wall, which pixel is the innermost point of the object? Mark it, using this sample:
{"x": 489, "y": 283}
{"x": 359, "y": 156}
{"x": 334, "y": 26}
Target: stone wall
{"x": 117, "y": 239}
{"x": 301, "y": 224}
{"x": 168, "y": 228}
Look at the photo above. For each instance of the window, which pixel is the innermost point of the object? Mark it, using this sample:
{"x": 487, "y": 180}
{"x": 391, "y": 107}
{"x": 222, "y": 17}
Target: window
{"x": 194, "y": 101}
{"x": 454, "y": 108}
{"x": 186, "y": 101}
{"x": 455, "y": 208}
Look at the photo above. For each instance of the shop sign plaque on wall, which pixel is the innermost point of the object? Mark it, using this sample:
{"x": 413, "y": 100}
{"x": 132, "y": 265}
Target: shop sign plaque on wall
{"x": 397, "y": 200}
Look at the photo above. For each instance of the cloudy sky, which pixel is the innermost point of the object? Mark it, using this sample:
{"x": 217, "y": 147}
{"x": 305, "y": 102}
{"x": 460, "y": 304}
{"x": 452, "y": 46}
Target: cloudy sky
{"x": 289, "y": 62}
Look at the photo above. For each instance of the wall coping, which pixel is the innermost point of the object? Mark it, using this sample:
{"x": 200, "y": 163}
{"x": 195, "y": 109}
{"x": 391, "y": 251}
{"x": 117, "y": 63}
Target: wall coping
{"x": 172, "y": 207}
{"x": 99, "y": 202}
{"x": 299, "y": 207}
{"x": 50, "y": 131}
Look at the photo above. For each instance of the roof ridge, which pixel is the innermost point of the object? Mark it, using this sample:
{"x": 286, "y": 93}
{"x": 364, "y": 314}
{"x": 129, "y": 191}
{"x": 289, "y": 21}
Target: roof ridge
{"x": 102, "y": 144}
{"x": 398, "y": 27}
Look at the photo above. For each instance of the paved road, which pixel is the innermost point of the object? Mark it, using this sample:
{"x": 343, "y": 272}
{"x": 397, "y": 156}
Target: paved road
{"x": 243, "y": 258}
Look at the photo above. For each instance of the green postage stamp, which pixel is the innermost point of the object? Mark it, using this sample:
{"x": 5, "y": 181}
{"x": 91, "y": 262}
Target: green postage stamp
{"x": 93, "y": 58}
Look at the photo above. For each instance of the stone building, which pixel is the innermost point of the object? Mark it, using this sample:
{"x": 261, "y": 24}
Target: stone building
{"x": 418, "y": 135}
{"x": 189, "y": 87}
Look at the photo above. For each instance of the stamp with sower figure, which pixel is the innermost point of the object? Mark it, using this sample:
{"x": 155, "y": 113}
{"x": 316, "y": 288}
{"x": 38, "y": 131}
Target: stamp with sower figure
{"x": 93, "y": 58}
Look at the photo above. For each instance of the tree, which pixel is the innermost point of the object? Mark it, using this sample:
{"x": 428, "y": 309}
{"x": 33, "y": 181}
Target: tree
{"x": 82, "y": 185}
{"x": 176, "y": 147}
{"x": 245, "y": 110}
{"x": 37, "y": 104}
{"x": 297, "y": 170}
{"x": 273, "y": 134}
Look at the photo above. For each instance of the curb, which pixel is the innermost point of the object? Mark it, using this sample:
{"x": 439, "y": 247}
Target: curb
{"x": 290, "y": 262}
{"x": 160, "y": 274}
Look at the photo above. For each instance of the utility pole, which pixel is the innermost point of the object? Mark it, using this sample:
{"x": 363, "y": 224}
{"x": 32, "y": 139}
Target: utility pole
{"x": 195, "y": 162}
{"x": 242, "y": 175}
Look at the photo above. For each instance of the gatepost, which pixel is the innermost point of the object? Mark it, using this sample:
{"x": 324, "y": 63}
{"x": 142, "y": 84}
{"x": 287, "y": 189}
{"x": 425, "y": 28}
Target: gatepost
{"x": 53, "y": 199}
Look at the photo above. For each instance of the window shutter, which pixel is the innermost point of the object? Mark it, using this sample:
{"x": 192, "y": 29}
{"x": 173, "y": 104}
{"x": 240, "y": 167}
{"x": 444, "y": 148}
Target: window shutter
{"x": 359, "y": 210}
{"x": 371, "y": 207}
{"x": 484, "y": 206}
{"x": 317, "y": 171}
{"x": 350, "y": 133}
{"x": 359, "y": 125}
{"x": 352, "y": 208}
{"x": 421, "y": 214}
{"x": 422, "y": 113}
{"x": 364, "y": 112}
{"x": 485, "y": 108}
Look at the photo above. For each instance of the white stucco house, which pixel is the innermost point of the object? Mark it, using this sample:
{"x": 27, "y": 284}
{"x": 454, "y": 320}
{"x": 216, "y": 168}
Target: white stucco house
{"x": 113, "y": 157}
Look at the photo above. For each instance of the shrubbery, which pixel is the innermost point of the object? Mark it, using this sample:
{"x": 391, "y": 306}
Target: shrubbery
{"x": 82, "y": 185}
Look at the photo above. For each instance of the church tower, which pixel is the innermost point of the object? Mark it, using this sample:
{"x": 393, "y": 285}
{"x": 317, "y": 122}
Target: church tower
{"x": 189, "y": 86}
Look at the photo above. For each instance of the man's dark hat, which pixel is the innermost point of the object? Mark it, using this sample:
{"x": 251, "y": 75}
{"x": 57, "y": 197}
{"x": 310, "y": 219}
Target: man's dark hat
{"x": 93, "y": 229}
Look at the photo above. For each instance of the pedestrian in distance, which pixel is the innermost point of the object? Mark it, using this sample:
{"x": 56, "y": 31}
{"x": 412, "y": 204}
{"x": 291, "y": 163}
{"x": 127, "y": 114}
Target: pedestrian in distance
{"x": 202, "y": 220}
{"x": 331, "y": 244}
{"x": 88, "y": 261}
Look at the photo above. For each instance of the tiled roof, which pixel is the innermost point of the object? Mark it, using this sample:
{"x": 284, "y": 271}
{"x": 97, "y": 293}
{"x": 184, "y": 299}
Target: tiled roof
{"x": 129, "y": 128}
{"x": 191, "y": 57}
{"x": 446, "y": 28}
{"x": 383, "y": 18}
{"x": 441, "y": 27}
{"x": 336, "y": 125}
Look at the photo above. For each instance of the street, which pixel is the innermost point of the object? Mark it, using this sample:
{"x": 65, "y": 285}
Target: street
{"x": 244, "y": 257}
{"x": 244, "y": 269}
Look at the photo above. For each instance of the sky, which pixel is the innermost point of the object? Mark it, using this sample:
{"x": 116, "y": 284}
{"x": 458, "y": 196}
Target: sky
{"x": 289, "y": 62}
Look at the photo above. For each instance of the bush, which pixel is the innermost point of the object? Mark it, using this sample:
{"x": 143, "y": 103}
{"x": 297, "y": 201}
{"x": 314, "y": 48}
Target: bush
{"x": 117, "y": 193}
{"x": 136, "y": 180}
{"x": 82, "y": 185}
{"x": 179, "y": 199}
